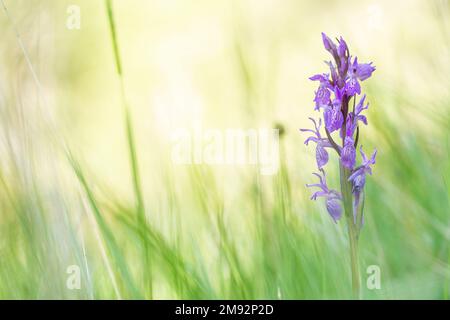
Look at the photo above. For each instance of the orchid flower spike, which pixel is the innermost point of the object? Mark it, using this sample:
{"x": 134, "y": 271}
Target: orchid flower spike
{"x": 332, "y": 98}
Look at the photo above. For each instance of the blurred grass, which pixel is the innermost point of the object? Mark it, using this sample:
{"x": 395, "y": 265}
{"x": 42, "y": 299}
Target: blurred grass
{"x": 206, "y": 232}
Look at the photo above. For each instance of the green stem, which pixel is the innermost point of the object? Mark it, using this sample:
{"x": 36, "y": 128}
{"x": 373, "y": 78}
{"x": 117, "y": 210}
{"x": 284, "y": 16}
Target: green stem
{"x": 356, "y": 284}
{"x": 347, "y": 197}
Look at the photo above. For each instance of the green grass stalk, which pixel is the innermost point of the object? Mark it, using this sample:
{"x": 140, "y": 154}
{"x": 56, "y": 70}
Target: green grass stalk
{"x": 108, "y": 234}
{"x": 140, "y": 208}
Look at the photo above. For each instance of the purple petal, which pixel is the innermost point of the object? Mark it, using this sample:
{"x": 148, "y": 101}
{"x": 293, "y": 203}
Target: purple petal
{"x": 333, "y": 118}
{"x": 319, "y": 194}
{"x": 358, "y": 171}
{"x": 339, "y": 93}
{"x": 358, "y": 182}
{"x": 360, "y": 106}
{"x": 323, "y": 178}
{"x": 334, "y": 75}
{"x": 329, "y": 44}
{"x": 363, "y": 155}
{"x": 348, "y": 154}
{"x": 321, "y": 156}
{"x": 354, "y": 66}
{"x": 334, "y": 208}
{"x": 349, "y": 125}
{"x": 343, "y": 57}
{"x": 342, "y": 48}
{"x": 313, "y": 139}
{"x": 364, "y": 71}
{"x": 322, "y": 98}
{"x": 352, "y": 86}
{"x": 363, "y": 119}
{"x": 320, "y": 77}
{"x": 374, "y": 155}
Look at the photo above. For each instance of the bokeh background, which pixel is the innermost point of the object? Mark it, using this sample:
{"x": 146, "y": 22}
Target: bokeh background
{"x": 67, "y": 190}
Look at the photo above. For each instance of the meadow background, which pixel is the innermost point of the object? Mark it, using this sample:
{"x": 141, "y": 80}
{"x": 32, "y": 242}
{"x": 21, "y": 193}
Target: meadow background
{"x": 70, "y": 196}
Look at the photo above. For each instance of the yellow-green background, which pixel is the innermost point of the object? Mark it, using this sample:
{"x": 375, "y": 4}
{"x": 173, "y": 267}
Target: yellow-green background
{"x": 216, "y": 231}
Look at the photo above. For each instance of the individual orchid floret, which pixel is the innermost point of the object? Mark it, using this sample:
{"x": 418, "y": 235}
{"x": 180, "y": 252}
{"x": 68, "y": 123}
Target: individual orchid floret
{"x": 358, "y": 176}
{"x": 323, "y": 94}
{"x": 354, "y": 117}
{"x": 322, "y": 143}
{"x": 357, "y": 72}
{"x": 360, "y": 107}
{"x": 362, "y": 70}
{"x": 329, "y": 45}
{"x": 334, "y": 75}
{"x": 340, "y": 54}
{"x": 358, "y": 180}
{"x": 348, "y": 154}
{"x": 333, "y": 198}
{"x": 352, "y": 86}
{"x": 342, "y": 49}
{"x": 344, "y": 59}
{"x": 333, "y": 115}
{"x": 339, "y": 94}
{"x": 333, "y": 118}
{"x": 334, "y": 208}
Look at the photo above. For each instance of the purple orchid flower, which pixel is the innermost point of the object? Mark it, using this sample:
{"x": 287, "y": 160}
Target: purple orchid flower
{"x": 334, "y": 75}
{"x": 322, "y": 143}
{"x": 360, "y": 107}
{"x": 332, "y": 115}
{"x": 348, "y": 154}
{"x": 358, "y": 180}
{"x": 333, "y": 198}
{"x": 358, "y": 176}
{"x": 343, "y": 57}
{"x": 354, "y": 117}
{"x": 352, "y": 86}
{"x": 335, "y": 91}
{"x": 362, "y": 70}
{"x": 333, "y": 118}
{"x": 339, "y": 94}
{"x": 357, "y": 72}
{"x": 329, "y": 45}
{"x": 334, "y": 96}
{"x": 323, "y": 94}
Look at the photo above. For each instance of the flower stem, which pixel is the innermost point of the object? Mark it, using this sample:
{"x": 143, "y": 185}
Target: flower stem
{"x": 346, "y": 190}
{"x": 356, "y": 284}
